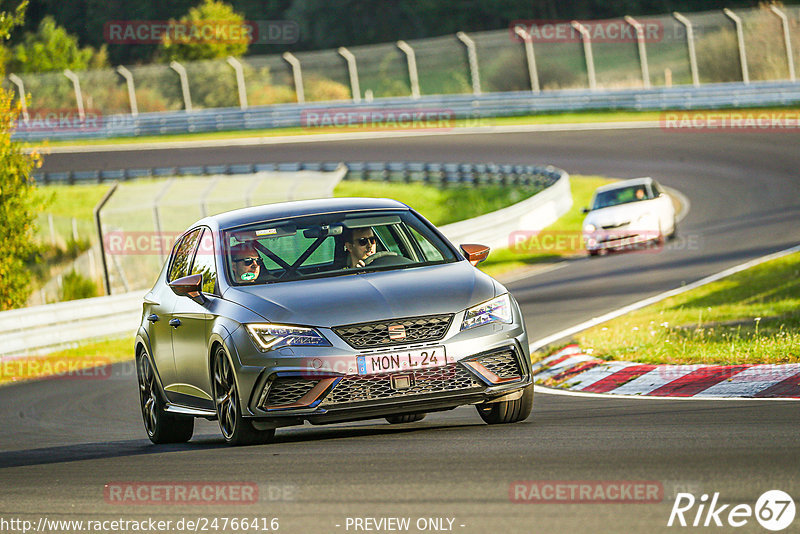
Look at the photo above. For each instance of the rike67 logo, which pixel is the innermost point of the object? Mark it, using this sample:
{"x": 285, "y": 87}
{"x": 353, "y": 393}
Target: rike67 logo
{"x": 774, "y": 510}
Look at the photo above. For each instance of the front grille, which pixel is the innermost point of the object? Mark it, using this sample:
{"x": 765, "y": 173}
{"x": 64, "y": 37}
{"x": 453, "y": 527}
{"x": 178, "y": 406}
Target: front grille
{"x": 286, "y": 390}
{"x": 417, "y": 330}
{"x": 503, "y": 364}
{"x": 613, "y": 226}
{"x": 356, "y": 388}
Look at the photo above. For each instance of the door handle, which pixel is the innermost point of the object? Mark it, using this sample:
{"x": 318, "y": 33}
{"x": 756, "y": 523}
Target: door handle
{"x": 153, "y": 318}
{"x": 175, "y": 323}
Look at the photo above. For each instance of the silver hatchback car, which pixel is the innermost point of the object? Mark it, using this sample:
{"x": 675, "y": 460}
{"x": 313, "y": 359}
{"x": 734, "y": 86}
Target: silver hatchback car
{"x": 325, "y": 311}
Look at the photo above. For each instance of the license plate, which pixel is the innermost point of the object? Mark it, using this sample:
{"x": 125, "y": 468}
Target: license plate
{"x": 406, "y": 360}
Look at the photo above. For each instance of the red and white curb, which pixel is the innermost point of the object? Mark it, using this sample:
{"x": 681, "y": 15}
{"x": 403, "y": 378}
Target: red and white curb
{"x": 572, "y": 370}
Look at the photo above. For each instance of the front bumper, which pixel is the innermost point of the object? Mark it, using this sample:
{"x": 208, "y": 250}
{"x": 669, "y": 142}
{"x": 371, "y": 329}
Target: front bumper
{"x": 619, "y": 238}
{"x": 287, "y": 398}
{"x": 324, "y": 386}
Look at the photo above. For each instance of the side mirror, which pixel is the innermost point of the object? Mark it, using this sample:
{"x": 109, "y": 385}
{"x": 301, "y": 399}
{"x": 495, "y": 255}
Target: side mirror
{"x": 585, "y": 210}
{"x": 475, "y": 253}
{"x": 189, "y": 286}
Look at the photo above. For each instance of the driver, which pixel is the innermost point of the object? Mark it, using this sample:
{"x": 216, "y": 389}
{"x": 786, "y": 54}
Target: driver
{"x": 359, "y": 244}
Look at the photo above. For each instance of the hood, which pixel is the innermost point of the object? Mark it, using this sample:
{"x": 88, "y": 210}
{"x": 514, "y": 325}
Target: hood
{"x": 358, "y": 298}
{"x": 615, "y": 216}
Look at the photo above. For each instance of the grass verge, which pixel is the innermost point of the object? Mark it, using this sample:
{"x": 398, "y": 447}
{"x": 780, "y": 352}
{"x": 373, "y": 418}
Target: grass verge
{"x": 440, "y": 206}
{"x": 750, "y": 317}
{"x": 560, "y": 239}
{"x": 69, "y": 362}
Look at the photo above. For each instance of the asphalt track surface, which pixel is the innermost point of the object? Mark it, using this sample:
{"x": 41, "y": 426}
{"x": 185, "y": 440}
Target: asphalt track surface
{"x": 66, "y": 439}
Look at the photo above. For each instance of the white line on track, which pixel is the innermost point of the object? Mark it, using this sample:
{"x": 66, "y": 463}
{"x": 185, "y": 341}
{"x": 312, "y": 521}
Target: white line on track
{"x": 324, "y": 138}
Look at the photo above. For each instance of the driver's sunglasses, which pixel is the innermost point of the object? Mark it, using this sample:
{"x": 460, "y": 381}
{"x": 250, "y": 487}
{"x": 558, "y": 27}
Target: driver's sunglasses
{"x": 247, "y": 261}
{"x": 364, "y": 240}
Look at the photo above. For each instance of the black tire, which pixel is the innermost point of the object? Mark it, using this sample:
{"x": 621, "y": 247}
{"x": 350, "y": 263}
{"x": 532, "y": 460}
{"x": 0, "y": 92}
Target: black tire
{"x": 508, "y": 411}
{"x": 405, "y": 418}
{"x": 594, "y": 253}
{"x": 161, "y": 427}
{"x": 674, "y": 235}
{"x": 236, "y": 430}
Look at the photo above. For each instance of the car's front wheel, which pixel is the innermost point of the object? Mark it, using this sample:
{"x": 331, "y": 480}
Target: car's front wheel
{"x": 236, "y": 430}
{"x": 161, "y": 426}
{"x": 511, "y": 411}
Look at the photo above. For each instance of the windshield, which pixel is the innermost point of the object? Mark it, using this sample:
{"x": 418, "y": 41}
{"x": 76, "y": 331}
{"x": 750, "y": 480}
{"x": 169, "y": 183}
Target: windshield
{"x": 330, "y": 245}
{"x": 623, "y": 195}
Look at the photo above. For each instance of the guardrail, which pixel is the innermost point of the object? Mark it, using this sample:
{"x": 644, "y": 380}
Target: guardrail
{"x": 51, "y": 326}
{"x": 710, "y": 96}
{"x": 442, "y": 174}
{"x": 533, "y": 214}
{"x": 40, "y": 329}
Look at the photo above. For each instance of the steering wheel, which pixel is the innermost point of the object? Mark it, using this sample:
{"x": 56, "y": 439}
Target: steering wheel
{"x": 382, "y": 258}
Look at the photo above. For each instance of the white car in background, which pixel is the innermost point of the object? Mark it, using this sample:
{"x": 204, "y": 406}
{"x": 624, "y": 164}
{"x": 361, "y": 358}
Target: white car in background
{"x": 627, "y": 213}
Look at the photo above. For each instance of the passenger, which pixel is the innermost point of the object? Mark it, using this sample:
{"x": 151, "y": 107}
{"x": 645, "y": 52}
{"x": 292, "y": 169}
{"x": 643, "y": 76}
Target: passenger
{"x": 359, "y": 244}
{"x": 245, "y": 262}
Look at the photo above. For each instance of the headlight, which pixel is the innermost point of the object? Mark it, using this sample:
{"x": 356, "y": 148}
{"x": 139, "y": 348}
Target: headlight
{"x": 274, "y": 336}
{"x": 589, "y": 228}
{"x": 497, "y": 310}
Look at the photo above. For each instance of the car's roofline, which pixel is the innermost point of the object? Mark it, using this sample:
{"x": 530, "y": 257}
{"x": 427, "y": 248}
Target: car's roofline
{"x": 299, "y": 208}
{"x": 624, "y": 183}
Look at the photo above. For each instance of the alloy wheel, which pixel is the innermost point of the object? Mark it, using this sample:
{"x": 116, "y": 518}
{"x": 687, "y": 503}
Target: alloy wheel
{"x": 225, "y": 395}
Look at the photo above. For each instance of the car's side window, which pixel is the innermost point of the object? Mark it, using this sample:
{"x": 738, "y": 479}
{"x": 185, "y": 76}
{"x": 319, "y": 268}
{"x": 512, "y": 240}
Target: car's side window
{"x": 183, "y": 255}
{"x": 431, "y": 253}
{"x": 204, "y": 262}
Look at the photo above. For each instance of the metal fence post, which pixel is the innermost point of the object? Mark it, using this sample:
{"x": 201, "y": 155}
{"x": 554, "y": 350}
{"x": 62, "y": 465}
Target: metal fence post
{"x": 411, "y": 59}
{"x": 97, "y": 209}
{"x": 125, "y": 73}
{"x": 690, "y": 43}
{"x": 352, "y": 68}
{"x": 642, "y": 49}
{"x": 76, "y": 84}
{"x": 740, "y": 38}
{"x": 586, "y": 37}
{"x": 237, "y": 67}
{"x": 23, "y": 103}
{"x": 181, "y": 70}
{"x": 533, "y": 73}
{"x": 472, "y": 55}
{"x": 787, "y": 40}
{"x": 298, "y": 76}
